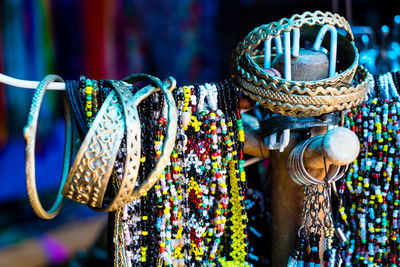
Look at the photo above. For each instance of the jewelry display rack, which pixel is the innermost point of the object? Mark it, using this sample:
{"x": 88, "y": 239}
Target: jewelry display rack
{"x": 294, "y": 163}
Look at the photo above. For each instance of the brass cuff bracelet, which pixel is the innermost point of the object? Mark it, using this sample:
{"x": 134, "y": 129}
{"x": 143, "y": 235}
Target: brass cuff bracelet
{"x": 296, "y": 105}
{"x": 88, "y": 178}
{"x": 246, "y": 67}
{"x": 30, "y": 136}
{"x": 133, "y": 143}
{"x": 126, "y": 190}
{"x": 171, "y": 131}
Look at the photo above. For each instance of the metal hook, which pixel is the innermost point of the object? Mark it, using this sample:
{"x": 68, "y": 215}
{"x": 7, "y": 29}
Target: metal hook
{"x": 296, "y": 42}
{"x": 332, "y": 52}
{"x": 267, "y": 50}
{"x": 288, "y": 67}
{"x": 270, "y": 141}
{"x": 284, "y": 140}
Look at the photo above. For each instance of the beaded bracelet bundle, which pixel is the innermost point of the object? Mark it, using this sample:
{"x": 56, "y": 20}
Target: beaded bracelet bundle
{"x": 369, "y": 194}
{"x": 195, "y": 215}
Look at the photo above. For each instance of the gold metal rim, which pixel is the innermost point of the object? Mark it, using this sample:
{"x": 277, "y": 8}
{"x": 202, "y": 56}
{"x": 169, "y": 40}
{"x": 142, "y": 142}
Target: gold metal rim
{"x": 307, "y": 98}
{"x": 313, "y": 106}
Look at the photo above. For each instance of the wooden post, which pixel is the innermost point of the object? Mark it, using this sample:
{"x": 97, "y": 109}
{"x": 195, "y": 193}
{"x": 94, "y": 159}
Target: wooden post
{"x": 339, "y": 146}
{"x": 286, "y": 205}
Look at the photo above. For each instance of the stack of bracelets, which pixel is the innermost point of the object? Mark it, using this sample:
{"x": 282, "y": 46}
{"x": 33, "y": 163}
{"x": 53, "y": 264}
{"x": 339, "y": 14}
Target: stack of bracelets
{"x": 369, "y": 195}
{"x": 195, "y": 214}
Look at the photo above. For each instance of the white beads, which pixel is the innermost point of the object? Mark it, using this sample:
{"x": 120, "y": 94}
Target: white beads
{"x": 212, "y": 96}
{"x": 392, "y": 86}
{"x": 387, "y": 87}
{"x": 371, "y": 91}
{"x": 384, "y": 87}
{"x": 203, "y": 93}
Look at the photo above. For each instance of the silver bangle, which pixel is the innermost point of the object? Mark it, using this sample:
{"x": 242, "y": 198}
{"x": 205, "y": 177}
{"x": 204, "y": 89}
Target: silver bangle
{"x": 298, "y": 172}
{"x": 30, "y": 136}
{"x": 169, "y": 141}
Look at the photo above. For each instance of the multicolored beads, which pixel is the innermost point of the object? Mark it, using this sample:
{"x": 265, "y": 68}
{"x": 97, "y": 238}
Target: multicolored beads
{"x": 90, "y": 98}
{"x": 370, "y": 193}
{"x": 200, "y": 193}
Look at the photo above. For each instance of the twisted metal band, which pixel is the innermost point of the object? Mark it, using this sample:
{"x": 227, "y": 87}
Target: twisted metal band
{"x": 171, "y": 130}
{"x": 30, "y": 136}
{"x": 246, "y": 71}
{"x": 306, "y": 106}
{"x": 298, "y": 172}
{"x": 88, "y": 178}
{"x": 356, "y": 93}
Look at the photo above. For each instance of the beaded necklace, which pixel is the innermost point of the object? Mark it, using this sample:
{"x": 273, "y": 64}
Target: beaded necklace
{"x": 369, "y": 205}
{"x": 182, "y": 251}
{"x": 199, "y": 192}
{"x": 373, "y": 205}
{"x": 206, "y": 181}
{"x": 152, "y": 109}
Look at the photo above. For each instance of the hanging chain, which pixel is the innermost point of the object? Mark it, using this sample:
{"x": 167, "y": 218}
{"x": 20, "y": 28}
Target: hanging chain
{"x": 317, "y": 210}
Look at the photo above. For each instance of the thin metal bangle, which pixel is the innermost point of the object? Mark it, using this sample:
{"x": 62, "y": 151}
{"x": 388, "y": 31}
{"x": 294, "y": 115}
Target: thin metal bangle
{"x": 133, "y": 143}
{"x": 298, "y": 172}
{"x": 126, "y": 192}
{"x": 30, "y": 136}
{"x": 334, "y": 175}
{"x": 171, "y": 131}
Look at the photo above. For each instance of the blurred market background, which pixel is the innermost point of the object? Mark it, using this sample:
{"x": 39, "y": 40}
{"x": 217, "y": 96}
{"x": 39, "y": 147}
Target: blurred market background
{"x": 189, "y": 39}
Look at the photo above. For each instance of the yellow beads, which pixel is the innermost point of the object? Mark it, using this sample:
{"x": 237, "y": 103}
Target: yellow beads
{"x": 89, "y": 99}
{"x": 143, "y": 252}
{"x": 195, "y": 123}
{"x": 238, "y": 252}
{"x": 187, "y": 94}
{"x": 225, "y": 263}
